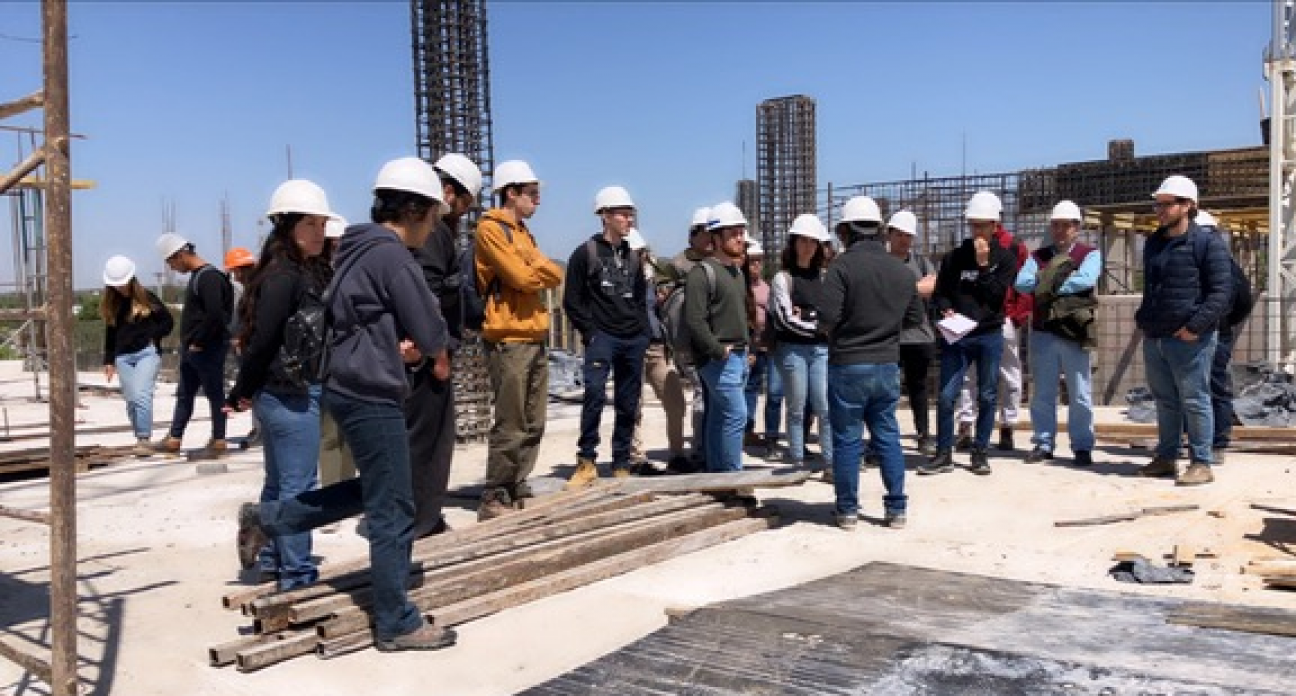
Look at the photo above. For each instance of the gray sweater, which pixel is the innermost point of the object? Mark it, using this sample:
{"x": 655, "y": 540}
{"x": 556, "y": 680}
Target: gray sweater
{"x": 719, "y": 317}
{"x": 382, "y": 297}
{"x": 869, "y": 296}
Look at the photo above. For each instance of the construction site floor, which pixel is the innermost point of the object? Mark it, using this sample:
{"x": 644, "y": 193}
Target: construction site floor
{"x": 156, "y": 542}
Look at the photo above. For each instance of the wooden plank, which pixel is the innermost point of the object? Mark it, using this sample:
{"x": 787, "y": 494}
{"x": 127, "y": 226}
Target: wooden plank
{"x": 1122, "y": 431}
{"x": 1284, "y": 582}
{"x": 35, "y": 100}
{"x": 1167, "y": 509}
{"x": 227, "y": 653}
{"x": 27, "y": 515}
{"x": 1093, "y": 521}
{"x": 1271, "y": 508}
{"x": 1271, "y": 568}
{"x": 1245, "y": 619}
{"x": 37, "y": 666}
{"x": 715, "y": 482}
{"x": 1184, "y": 555}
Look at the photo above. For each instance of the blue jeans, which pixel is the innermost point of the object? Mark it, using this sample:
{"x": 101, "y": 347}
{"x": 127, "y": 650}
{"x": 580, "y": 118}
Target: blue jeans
{"x": 290, "y": 426}
{"x": 804, "y": 370}
{"x": 726, "y": 410}
{"x": 1052, "y": 356}
{"x": 138, "y": 374}
{"x": 624, "y": 358}
{"x": 375, "y": 432}
{"x": 203, "y": 369}
{"x": 984, "y": 350}
{"x": 1178, "y": 373}
{"x": 764, "y": 374}
{"x": 860, "y": 395}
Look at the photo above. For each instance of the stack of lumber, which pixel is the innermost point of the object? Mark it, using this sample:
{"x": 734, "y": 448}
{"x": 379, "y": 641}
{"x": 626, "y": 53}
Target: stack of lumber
{"x": 1276, "y": 573}
{"x": 558, "y": 543}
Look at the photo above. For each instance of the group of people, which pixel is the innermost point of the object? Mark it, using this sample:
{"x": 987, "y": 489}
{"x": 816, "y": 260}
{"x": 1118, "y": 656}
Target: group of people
{"x": 356, "y": 330}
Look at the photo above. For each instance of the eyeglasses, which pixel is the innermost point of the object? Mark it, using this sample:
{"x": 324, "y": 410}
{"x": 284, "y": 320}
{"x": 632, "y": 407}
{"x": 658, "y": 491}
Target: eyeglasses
{"x": 1162, "y": 205}
{"x": 532, "y": 193}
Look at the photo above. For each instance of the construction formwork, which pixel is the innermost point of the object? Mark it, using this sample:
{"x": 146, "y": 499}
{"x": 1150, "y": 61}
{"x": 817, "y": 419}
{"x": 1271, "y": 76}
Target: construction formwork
{"x": 786, "y": 160}
{"x": 453, "y": 114}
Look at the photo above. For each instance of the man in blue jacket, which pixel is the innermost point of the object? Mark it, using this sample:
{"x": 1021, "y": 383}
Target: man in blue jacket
{"x": 1188, "y": 286}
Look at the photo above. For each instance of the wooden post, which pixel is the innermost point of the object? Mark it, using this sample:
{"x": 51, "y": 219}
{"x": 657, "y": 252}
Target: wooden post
{"x": 62, "y": 364}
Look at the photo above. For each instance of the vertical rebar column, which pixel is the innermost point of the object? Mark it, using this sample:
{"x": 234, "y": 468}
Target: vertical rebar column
{"x": 785, "y": 166}
{"x": 62, "y": 362}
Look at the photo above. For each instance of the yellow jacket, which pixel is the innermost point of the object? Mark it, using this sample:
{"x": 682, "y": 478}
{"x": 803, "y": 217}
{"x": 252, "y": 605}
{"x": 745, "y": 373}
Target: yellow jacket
{"x": 519, "y": 313}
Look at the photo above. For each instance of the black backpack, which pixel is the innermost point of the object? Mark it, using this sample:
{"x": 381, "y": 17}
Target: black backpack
{"x": 303, "y": 355}
{"x": 472, "y": 300}
{"x": 1243, "y": 298}
{"x": 678, "y": 336}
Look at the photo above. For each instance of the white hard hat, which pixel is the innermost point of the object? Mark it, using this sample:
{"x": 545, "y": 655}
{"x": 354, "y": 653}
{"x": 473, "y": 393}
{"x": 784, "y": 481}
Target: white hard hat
{"x": 334, "y": 228}
{"x": 612, "y": 197}
{"x": 299, "y": 196}
{"x": 168, "y": 244}
{"x": 905, "y": 221}
{"x": 1205, "y": 219}
{"x": 412, "y": 175}
{"x": 1066, "y": 210}
{"x": 808, "y": 225}
{"x": 983, "y": 205}
{"x": 861, "y": 209}
{"x": 118, "y": 271}
{"x": 1178, "y": 186}
{"x": 725, "y": 215}
{"x": 462, "y": 170}
{"x": 701, "y": 216}
{"x": 635, "y": 240}
{"x": 754, "y": 248}
{"x": 513, "y": 172}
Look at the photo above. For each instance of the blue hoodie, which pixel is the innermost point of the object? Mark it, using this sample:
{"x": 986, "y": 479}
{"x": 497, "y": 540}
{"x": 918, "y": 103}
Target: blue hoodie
{"x": 380, "y": 298}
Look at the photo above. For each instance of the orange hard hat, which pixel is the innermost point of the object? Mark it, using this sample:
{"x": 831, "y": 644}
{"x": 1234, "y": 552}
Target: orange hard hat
{"x": 239, "y": 257}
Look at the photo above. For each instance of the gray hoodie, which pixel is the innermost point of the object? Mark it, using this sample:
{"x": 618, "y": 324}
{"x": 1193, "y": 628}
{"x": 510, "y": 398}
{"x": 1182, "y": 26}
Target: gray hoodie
{"x": 381, "y": 297}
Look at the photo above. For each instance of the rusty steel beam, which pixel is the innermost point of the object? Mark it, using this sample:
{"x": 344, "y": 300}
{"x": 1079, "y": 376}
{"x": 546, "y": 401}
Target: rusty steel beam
{"x": 35, "y": 100}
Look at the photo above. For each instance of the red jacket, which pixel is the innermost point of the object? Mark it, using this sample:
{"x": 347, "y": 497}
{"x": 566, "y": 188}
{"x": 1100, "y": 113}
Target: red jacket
{"x": 1017, "y": 306}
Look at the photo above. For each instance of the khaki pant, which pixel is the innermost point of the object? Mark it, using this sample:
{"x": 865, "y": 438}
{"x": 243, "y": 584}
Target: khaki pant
{"x": 335, "y": 463}
{"x": 519, "y": 375}
{"x": 665, "y": 381}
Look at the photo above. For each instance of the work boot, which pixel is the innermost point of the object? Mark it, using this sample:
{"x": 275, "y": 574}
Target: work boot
{"x": 1038, "y": 455}
{"x": 1083, "y": 458}
{"x": 1159, "y": 467}
{"x": 963, "y": 440}
{"x": 585, "y": 475}
{"x": 425, "y": 637}
{"x": 1218, "y": 455}
{"x": 926, "y": 445}
{"x": 143, "y": 448}
{"x": 980, "y": 462}
{"x": 1006, "y": 439}
{"x": 495, "y": 502}
{"x": 251, "y": 537}
{"x": 167, "y": 445}
{"x": 1196, "y": 474}
{"x": 942, "y": 463}
{"x": 215, "y": 449}
{"x": 620, "y": 472}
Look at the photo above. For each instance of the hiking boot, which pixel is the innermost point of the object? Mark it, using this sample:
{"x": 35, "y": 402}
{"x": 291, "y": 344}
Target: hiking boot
{"x": 847, "y": 522}
{"x": 1196, "y": 474}
{"x": 1159, "y": 467}
{"x": 870, "y": 461}
{"x": 1082, "y": 458}
{"x": 963, "y": 439}
{"x": 425, "y": 637}
{"x": 585, "y": 475}
{"x": 620, "y": 472}
{"x": 896, "y": 520}
{"x": 1218, "y": 455}
{"x": 1006, "y": 440}
{"x": 167, "y": 445}
{"x": 143, "y": 448}
{"x": 942, "y": 463}
{"x": 251, "y": 537}
{"x": 215, "y": 449}
{"x": 1038, "y": 455}
{"x": 495, "y": 502}
{"x": 680, "y": 464}
{"x": 926, "y": 445}
{"x": 980, "y": 462}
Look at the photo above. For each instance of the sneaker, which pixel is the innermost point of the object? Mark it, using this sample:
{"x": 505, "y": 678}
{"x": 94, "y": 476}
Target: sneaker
{"x": 1082, "y": 458}
{"x": 751, "y": 439}
{"x": 980, "y": 462}
{"x": 896, "y": 520}
{"x": 1159, "y": 467}
{"x": 774, "y": 455}
{"x": 1218, "y": 455}
{"x": 1196, "y": 474}
{"x": 870, "y": 461}
{"x": 251, "y": 537}
{"x": 847, "y": 522}
{"x": 426, "y": 637}
{"x": 1038, "y": 455}
{"x": 143, "y": 448}
{"x": 926, "y": 445}
{"x": 1006, "y": 440}
{"x": 942, "y": 463}
{"x": 495, "y": 502}
{"x": 963, "y": 441}
{"x": 167, "y": 445}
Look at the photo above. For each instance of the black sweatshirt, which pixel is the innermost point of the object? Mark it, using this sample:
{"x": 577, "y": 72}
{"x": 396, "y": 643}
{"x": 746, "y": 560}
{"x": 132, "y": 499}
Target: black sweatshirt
{"x": 868, "y": 297}
{"x": 277, "y": 298}
{"x": 975, "y": 292}
{"x": 209, "y": 301}
{"x": 125, "y": 336}
{"x": 439, "y": 259}
{"x": 609, "y": 298}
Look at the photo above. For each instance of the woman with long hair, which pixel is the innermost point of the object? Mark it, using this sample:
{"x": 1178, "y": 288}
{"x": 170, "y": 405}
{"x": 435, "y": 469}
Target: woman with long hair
{"x": 289, "y": 274}
{"x": 135, "y": 322}
{"x": 801, "y": 354}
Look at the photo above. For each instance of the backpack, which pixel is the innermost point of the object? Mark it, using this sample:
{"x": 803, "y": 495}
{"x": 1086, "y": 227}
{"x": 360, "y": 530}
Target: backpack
{"x": 596, "y": 262}
{"x": 1243, "y": 299}
{"x": 303, "y": 355}
{"x": 679, "y": 339}
{"x": 472, "y": 300}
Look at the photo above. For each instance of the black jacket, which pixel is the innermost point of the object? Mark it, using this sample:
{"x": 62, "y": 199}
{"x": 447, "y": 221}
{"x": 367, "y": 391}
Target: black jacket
{"x": 868, "y": 297}
{"x": 208, "y": 304}
{"x": 125, "y": 336}
{"x": 439, "y": 259}
{"x": 609, "y": 296}
{"x": 277, "y": 297}
{"x": 975, "y": 292}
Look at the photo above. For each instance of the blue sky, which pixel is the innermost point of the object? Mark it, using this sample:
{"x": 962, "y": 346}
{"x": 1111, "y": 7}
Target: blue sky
{"x": 186, "y": 102}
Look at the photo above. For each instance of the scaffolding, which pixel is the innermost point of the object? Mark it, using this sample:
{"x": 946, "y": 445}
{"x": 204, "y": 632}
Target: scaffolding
{"x": 786, "y": 161}
{"x": 452, "y": 113}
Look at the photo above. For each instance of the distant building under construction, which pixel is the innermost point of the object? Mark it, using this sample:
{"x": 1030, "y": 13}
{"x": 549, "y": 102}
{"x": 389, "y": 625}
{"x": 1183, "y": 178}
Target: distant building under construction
{"x": 786, "y": 160}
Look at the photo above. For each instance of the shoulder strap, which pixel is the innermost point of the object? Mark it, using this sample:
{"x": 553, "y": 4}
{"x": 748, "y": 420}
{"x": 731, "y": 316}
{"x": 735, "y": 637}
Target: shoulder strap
{"x": 593, "y": 262}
